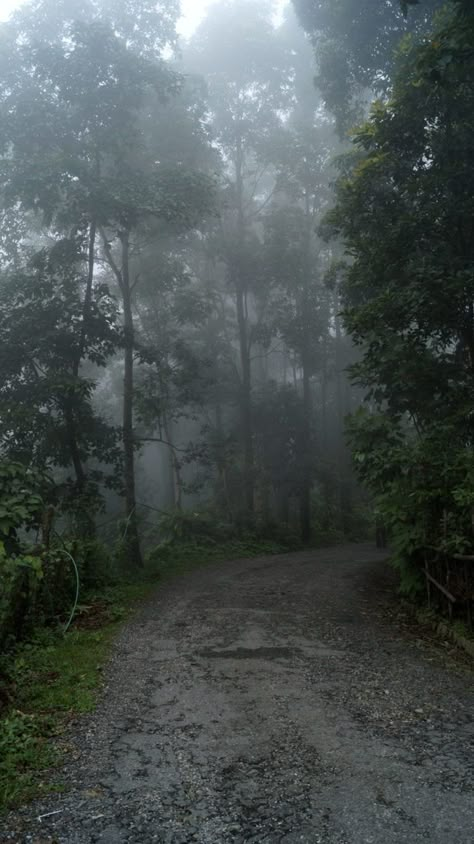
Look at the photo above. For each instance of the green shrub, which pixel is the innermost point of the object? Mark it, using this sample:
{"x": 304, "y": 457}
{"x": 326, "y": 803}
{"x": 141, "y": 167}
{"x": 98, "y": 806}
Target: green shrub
{"x": 47, "y": 678}
{"x": 185, "y": 526}
{"x": 24, "y": 749}
{"x": 21, "y": 503}
{"x": 39, "y": 589}
{"x": 20, "y": 589}
{"x": 97, "y": 567}
{"x": 272, "y": 531}
{"x": 423, "y": 487}
{"x": 173, "y": 557}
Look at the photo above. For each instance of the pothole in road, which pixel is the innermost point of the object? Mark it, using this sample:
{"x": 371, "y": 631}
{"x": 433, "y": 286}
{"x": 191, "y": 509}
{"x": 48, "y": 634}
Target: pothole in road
{"x": 250, "y": 653}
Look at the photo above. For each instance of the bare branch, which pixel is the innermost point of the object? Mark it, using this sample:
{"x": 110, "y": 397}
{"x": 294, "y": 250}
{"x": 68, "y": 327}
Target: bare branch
{"x": 264, "y": 204}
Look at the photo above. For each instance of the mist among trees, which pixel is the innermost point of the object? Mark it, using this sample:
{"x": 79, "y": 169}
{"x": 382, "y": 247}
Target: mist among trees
{"x": 237, "y": 327}
{"x": 214, "y": 288}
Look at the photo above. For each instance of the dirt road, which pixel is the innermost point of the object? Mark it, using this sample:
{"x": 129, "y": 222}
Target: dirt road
{"x": 274, "y": 701}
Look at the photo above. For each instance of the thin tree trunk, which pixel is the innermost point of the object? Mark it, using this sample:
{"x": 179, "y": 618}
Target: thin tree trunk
{"x": 284, "y": 366}
{"x": 342, "y": 457}
{"x": 295, "y": 375}
{"x": 305, "y": 505}
{"x": 306, "y": 484}
{"x": 246, "y": 405}
{"x": 87, "y": 525}
{"x": 246, "y": 391}
{"x": 324, "y": 404}
{"x": 175, "y": 466}
{"x": 222, "y": 462}
{"x": 123, "y": 279}
{"x": 469, "y": 334}
{"x": 69, "y": 413}
{"x": 86, "y": 308}
{"x": 132, "y": 537}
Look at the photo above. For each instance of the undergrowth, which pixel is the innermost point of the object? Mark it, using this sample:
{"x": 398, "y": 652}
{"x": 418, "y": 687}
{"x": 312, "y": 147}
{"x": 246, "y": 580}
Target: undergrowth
{"x": 174, "y": 557}
{"x": 47, "y": 681}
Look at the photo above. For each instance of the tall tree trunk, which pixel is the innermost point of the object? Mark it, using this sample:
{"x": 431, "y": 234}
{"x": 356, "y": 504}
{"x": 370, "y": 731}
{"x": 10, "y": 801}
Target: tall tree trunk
{"x": 86, "y": 523}
{"x": 87, "y": 305}
{"x": 294, "y": 374}
{"x": 307, "y": 474}
{"x": 324, "y": 401}
{"x": 70, "y": 416}
{"x": 305, "y": 510}
{"x": 122, "y": 274}
{"x": 221, "y": 462}
{"x": 242, "y": 320}
{"x": 343, "y": 460}
{"x": 306, "y": 484}
{"x": 325, "y": 449}
{"x": 132, "y": 536}
{"x": 175, "y": 466}
{"x": 246, "y": 405}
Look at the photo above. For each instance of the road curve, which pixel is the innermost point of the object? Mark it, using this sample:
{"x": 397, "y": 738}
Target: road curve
{"x": 275, "y": 701}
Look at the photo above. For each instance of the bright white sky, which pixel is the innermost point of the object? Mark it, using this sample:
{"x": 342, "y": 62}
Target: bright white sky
{"x": 192, "y": 12}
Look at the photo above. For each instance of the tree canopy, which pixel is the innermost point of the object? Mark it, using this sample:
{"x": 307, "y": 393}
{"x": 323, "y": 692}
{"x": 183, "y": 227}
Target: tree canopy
{"x": 404, "y": 209}
{"x": 355, "y": 44}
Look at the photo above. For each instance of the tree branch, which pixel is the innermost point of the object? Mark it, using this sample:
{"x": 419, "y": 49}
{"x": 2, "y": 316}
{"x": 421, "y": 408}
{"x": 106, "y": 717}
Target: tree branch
{"x": 110, "y": 258}
{"x": 160, "y": 440}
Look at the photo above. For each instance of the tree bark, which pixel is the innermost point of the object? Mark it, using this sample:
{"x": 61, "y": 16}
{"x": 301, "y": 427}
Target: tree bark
{"x": 132, "y": 536}
{"x": 86, "y": 523}
{"x": 86, "y": 308}
{"x": 306, "y": 449}
{"x": 175, "y": 466}
{"x": 246, "y": 405}
{"x": 242, "y": 320}
{"x": 69, "y": 413}
{"x": 122, "y": 274}
{"x": 221, "y": 462}
{"x": 345, "y": 497}
{"x": 305, "y": 505}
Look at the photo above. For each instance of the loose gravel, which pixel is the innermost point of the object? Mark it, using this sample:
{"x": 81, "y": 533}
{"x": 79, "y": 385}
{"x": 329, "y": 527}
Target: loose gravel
{"x": 282, "y": 700}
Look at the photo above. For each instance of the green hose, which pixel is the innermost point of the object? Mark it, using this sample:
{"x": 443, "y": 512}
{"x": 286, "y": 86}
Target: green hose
{"x": 67, "y": 626}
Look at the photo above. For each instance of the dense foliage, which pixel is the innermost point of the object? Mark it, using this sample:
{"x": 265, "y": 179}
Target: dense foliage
{"x": 170, "y": 344}
{"x": 405, "y": 209}
{"x": 171, "y": 311}
{"x": 355, "y": 43}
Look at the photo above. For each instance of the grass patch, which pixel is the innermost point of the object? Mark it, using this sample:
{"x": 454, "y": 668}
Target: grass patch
{"x": 48, "y": 681}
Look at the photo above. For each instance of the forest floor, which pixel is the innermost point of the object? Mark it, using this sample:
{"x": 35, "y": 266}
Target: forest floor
{"x": 275, "y": 700}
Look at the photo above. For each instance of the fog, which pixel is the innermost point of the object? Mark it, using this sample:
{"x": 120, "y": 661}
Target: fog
{"x": 180, "y": 331}
{"x": 237, "y": 381}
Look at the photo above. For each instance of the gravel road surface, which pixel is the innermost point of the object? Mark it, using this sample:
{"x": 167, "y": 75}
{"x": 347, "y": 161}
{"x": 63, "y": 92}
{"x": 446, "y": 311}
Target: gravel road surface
{"x": 280, "y": 700}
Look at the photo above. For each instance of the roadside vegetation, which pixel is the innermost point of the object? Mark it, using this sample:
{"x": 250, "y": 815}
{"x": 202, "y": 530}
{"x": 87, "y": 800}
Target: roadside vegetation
{"x": 48, "y": 677}
{"x": 403, "y": 212}
{"x": 232, "y": 323}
